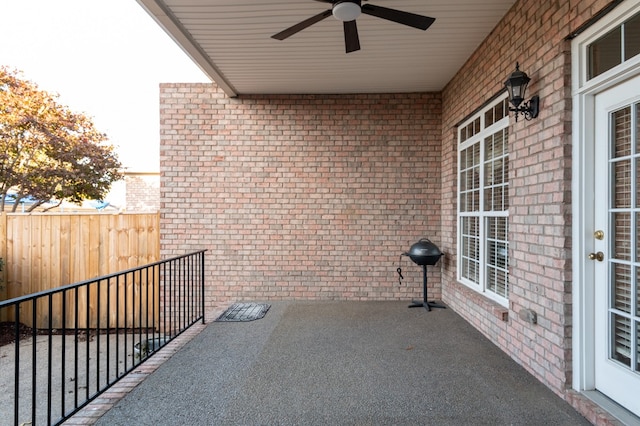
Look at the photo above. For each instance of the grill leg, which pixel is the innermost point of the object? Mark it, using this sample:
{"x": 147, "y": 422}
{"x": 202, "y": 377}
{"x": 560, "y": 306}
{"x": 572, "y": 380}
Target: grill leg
{"x": 425, "y": 303}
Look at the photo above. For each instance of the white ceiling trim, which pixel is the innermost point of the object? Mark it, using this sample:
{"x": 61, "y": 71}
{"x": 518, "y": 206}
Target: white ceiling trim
{"x": 176, "y": 31}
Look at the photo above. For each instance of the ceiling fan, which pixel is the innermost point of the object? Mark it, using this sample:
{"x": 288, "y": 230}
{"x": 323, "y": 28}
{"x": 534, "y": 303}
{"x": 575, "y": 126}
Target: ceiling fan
{"x": 347, "y": 11}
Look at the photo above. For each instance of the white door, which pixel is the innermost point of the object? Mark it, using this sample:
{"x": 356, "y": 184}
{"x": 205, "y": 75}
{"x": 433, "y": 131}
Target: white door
{"x": 616, "y": 255}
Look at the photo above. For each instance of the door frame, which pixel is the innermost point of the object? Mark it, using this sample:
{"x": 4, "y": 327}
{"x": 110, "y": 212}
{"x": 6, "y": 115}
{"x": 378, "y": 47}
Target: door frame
{"x": 583, "y": 144}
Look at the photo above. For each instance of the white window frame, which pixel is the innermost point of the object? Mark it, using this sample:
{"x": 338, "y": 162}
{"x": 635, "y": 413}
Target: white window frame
{"x": 478, "y": 138}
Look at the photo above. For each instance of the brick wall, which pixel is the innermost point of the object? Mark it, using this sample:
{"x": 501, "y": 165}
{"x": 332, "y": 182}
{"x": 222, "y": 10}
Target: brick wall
{"x": 533, "y": 33}
{"x": 310, "y": 197}
{"x": 142, "y": 192}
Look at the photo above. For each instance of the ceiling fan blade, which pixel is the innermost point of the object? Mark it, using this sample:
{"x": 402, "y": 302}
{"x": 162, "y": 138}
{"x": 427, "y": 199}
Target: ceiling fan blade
{"x": 351, "y": 40}
{"x": 406, "y": 18}
{"x": 302, "y": 25}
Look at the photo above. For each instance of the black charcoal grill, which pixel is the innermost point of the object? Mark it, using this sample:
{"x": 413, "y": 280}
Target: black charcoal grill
{"x": 424, "y": 253}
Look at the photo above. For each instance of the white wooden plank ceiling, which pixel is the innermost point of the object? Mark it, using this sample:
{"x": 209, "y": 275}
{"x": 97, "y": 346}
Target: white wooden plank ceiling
{"x": 231, "y": 41}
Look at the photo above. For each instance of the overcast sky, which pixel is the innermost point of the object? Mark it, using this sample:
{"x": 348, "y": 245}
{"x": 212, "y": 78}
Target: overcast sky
{"x": 104, "y": 58}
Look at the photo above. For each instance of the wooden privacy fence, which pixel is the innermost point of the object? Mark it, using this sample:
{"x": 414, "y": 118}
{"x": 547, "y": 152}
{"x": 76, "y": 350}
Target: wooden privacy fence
{"x": 44, "y": 251}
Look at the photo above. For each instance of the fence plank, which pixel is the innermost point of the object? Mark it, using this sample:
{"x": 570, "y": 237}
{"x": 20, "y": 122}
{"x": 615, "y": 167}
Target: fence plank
{"x": 44, "y": 251}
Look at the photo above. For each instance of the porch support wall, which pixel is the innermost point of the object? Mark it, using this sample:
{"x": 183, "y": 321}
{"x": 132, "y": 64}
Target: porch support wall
{"x": 301, "y": 197}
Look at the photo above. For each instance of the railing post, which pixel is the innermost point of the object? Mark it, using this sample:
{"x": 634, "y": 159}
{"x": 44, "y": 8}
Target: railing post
{"x": 16, "y": 370}
{"x": 202, "y": 286}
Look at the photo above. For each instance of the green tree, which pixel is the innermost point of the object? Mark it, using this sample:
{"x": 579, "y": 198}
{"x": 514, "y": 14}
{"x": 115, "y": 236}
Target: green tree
{"x": 48, "y": 152}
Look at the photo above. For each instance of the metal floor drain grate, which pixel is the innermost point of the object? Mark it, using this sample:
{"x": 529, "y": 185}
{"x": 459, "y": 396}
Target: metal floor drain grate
{"x": 244, "y": 312}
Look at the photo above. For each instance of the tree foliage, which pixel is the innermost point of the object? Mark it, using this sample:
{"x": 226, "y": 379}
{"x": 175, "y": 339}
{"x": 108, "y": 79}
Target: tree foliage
{"x": 47, "y": 152}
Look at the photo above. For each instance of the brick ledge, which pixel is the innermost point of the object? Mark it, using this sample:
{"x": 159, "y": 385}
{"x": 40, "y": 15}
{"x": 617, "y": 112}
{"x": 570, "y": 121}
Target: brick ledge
{"x": 496, "y": 309}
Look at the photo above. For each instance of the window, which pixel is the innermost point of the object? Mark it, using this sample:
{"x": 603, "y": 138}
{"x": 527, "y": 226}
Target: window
{"x": 618, "y": 45}
{"x": 483, "y": 201}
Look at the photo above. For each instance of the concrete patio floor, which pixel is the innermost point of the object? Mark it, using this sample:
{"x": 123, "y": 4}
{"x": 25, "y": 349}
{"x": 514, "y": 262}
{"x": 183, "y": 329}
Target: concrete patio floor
{"x": 341, "y": 363}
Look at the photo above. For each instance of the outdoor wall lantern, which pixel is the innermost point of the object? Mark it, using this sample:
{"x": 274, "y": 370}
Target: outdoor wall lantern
{"x": 516, "y": 84}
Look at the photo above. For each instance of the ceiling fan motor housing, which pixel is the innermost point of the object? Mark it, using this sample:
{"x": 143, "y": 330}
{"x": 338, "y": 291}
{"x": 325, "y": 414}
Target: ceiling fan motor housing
{"x": 346, "y": 10}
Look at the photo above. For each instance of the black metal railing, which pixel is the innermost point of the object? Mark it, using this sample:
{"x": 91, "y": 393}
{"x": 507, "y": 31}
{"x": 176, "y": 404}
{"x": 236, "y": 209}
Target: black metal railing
{"x": 73, "y": 342}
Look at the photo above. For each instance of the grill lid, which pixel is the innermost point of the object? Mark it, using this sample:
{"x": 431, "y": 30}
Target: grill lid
{"x": 424, "y": 252}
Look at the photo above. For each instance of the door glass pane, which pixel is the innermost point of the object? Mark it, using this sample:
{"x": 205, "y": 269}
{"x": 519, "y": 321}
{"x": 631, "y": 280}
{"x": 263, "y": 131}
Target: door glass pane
{"x": 622, "y": 184}
{"x": 605, "y": 53}
{"x": 637, "y": 234}
{"x": 632, "y": 37}
{"x": 637, "y": 117}
{"x": 621, "y": 121}
{"x": 622, "y": 287}
{"x": 621, "y": 223}
{"x": 637, "y": 345}
{"x": 637, "y": 182}
{"x": 637, "y": 291}
{"x": 621, "y": 339}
